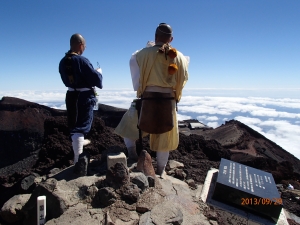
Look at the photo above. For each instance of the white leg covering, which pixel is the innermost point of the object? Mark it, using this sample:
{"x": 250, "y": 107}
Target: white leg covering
{"x": 77, "y": 144}
{"x": 162, "y": 159}
{"x": 129, "y": 142}
{"x": 130, "y": 145}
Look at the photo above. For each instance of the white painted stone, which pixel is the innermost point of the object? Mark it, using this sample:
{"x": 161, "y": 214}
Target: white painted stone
{"x": 112, "y": 159}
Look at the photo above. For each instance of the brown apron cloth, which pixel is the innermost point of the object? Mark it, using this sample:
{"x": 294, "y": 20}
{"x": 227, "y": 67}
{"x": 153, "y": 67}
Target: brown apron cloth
{"x": 156, "y": 116}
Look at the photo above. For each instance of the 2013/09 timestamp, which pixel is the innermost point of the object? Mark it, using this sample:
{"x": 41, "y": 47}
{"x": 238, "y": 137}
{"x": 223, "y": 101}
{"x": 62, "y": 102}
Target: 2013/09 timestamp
{"x": 261, "y": 201}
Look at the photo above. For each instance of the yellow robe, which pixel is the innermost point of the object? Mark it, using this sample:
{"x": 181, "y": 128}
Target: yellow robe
{"x": 127, "y": 128}
{"x": 154, "y": 72}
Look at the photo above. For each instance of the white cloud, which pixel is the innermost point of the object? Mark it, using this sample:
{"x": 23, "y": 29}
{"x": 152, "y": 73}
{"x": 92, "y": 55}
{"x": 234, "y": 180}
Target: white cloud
{"x": 54, "y": 105}
{"x": 213, "y": 124}
{"x": 243, "y": 92}
{"x": 275, "y": 118}
{"x": 203, "y": 117}
{"x": 229, "y": 105}
{"x": 212, "y": 118}
{"x": 204, "y": 109}
{"x": 121, "y": 99}
{"x": 183, "y": 117}
{"x": 249, "y": 121}
{"x": 37, "y": 96}
{"x": 281, "y": 132}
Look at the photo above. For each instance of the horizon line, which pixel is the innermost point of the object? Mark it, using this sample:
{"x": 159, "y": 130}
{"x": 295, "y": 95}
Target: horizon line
{"x": 130, "y": 89}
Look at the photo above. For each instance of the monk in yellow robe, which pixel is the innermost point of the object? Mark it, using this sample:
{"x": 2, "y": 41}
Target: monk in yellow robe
{"x": 163, "y": 69}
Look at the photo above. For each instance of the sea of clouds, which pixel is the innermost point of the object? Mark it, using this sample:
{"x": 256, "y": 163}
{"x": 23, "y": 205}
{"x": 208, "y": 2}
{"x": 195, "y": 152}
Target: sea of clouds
{"x": 275, "y": 113}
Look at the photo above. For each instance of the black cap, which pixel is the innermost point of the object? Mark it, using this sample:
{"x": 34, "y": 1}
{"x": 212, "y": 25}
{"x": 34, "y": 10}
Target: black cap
{"x": 164, "y": 28}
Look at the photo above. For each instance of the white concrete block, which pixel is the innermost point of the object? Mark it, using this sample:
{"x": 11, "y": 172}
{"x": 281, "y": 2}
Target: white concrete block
{"x": 114, "y": 158}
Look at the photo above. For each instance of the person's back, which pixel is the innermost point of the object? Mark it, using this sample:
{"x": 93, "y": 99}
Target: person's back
{"x": 81, "y": 80}
{"x": 154, "y": 68}
{"x": 159, "y": 73}
{"x": 76, "y": 71}
{"x": 79, "y": 76}
{"x": 163, "y": 74}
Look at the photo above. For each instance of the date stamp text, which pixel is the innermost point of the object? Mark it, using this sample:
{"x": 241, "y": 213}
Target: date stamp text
{"x": 261, "y": 201}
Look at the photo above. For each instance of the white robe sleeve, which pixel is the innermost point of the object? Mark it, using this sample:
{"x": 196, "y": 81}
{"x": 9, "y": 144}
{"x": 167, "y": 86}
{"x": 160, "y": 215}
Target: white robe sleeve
{"x": 134, "y": 67}
{"x": 135, "y": 71}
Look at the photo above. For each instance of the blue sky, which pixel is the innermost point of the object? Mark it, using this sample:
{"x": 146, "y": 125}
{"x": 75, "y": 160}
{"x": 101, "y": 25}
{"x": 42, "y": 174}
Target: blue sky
{"x": 244, "y": 55}
{"x": 232, "y": 44}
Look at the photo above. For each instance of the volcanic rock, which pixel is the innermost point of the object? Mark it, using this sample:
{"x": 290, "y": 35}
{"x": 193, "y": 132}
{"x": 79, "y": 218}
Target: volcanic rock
{"x": 117, "y": 175}
{"x": 104, "y": 197}
{"x": 12, "y": 210}
{"x": 144, "y": 164}
{"x": 130, "y": 192}
{"x": 140, "y": 180}
{"x": 22, "y": 129}
{"x": 245, "y": 144}
{"x": 35, "y": 138}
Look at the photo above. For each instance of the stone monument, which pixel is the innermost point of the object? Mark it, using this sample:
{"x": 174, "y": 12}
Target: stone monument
{"x": 248, "y": 188}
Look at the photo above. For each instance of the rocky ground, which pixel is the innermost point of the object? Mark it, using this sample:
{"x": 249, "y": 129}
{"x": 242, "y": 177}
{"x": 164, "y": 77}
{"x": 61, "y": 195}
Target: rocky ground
{"x": 35, "y": 140}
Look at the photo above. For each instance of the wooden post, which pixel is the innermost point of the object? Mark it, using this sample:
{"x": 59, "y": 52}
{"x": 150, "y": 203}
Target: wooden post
{"x": 41, "y": 210}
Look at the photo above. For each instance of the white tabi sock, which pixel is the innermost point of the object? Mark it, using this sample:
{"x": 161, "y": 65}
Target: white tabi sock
{"x": 130, "y": 145}
{"x": 77, "y": 144}
{"x": 129, "y": 142}
{"x": 162, "y": 159}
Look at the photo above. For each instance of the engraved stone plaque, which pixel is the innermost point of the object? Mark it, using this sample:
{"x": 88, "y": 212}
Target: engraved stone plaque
{"x": 248, "y": 188}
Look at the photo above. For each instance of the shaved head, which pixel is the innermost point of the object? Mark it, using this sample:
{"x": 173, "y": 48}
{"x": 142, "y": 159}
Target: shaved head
{"x": 76, "y": 39}
{"x": 163, "y": 32}
{"x": 77, "y": 43}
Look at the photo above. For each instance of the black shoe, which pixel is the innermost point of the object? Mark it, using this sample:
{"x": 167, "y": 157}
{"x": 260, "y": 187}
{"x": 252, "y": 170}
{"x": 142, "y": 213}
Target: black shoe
{"x": 81, "y": 166}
